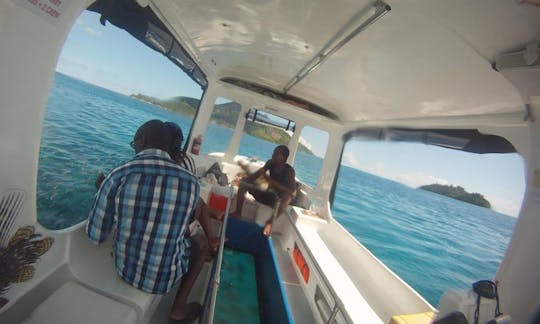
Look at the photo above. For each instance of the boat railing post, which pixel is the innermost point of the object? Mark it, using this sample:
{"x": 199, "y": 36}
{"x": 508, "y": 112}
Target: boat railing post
{"x": 338, "y": 305}
{"x": 214, "y": 283}
{"x": 333, "y": 315}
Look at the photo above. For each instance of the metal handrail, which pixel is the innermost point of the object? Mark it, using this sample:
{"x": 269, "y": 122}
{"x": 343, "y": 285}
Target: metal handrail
{"x": 381, "y": 8}
{"x": 213, "y": 284}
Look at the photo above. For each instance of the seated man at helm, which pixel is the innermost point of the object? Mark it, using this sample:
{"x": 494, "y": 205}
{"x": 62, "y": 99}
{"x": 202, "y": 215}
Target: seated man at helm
{"x": 151, "y": 200}
{"x": 281, "y": 184}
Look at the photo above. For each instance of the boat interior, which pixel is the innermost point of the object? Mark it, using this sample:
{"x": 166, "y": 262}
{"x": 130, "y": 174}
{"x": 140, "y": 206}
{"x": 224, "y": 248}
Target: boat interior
{"x": 458, "y": 74}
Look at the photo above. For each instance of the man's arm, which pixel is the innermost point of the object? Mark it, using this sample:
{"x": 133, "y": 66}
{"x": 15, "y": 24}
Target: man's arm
{"x": 288, "y": 188}
{"x": 252, "y": 176}
{"x": 101, "y": 218}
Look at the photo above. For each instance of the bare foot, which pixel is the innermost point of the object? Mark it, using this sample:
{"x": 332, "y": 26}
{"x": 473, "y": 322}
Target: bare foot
{"x": 220, "y": 215}
{"x": 267, "y": 229}
{"x": 187, "y": 313}
{"x": 213, "y": 244}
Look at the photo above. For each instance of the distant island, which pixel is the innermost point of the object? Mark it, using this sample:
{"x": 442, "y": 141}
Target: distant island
{"x": 457, "y": 192}
{"x": 226, "y": 117}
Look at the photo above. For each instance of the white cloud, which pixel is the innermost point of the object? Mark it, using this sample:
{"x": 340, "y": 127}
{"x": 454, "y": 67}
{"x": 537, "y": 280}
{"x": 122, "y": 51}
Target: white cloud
{"x": 378, "y": 169}
{"x": 92, "y": 32}
{"x": 350, "y": 160}
{"x": 505, "y": 205}
{"x": 304, "y": 142}
{"x": 71, "y": 67}
{"x": 418, "y": 179}
{"x": 89, "y": 30}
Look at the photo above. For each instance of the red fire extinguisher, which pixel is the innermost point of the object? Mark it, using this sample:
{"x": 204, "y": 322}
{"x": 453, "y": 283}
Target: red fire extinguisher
{"x": 196, "y": 147}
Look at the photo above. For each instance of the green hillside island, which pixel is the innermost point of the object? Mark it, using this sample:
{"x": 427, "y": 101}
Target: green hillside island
{"x": 457, "y": 192}
{"x": 226, "y": 116}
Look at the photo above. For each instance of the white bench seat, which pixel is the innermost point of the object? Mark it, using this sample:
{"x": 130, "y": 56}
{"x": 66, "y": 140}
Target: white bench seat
{"x": 93, "y": 266}
{"x": 353, "y": 302}
{"x": 73, "y": 304}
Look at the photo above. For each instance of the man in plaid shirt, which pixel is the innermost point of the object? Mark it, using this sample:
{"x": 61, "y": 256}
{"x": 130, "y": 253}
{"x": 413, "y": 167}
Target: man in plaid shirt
{"x": 151, "y": 200}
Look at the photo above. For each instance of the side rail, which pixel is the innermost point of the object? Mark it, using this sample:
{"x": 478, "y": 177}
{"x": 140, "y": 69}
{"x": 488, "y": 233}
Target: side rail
{"x": 213, "y": 284}
{"x": 331, "y": 309}
{"x": 328, "y": 304}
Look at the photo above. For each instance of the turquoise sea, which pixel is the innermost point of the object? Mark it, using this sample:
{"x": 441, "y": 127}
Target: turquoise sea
{"x": 432, "y": 242}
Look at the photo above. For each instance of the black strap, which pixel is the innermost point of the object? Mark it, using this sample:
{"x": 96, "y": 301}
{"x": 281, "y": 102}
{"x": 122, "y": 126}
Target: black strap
{"x": 487, "y": 289}
{"x": 477, "y": 311}
{"x": 497, "y": 311}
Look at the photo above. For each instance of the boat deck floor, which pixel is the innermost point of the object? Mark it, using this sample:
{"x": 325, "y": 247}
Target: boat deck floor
{"x": 161, "y": 314}
{"x": 298, "y": 304}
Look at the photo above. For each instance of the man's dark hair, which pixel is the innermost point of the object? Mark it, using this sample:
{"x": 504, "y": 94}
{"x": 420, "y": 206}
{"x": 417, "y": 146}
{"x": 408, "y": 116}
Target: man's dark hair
{"x": 177, "y": 137}
{"x": 284, "y": 150}
{"x": 155, "y": 134}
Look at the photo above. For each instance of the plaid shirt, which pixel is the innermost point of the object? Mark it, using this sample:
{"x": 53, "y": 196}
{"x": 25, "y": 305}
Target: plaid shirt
{"x": 151, "y": 199}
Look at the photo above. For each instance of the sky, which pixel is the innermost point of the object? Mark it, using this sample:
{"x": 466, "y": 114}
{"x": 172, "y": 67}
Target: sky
{"x": 113, "y": 59}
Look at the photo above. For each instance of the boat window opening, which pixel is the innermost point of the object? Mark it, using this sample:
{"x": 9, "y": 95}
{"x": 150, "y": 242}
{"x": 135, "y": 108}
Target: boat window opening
{"x": 413, "y": 199}
{"x": 262, "y": 132}
{"x": 264, "y": 118}
{"x": 96, "y": 103}
{"x": 221, "y": 127}
{"x": 310, "y": 155}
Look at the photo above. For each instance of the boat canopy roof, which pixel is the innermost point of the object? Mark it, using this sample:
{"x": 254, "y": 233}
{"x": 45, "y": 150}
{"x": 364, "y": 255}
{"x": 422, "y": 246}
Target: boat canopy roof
{"x": 359, "y": 63}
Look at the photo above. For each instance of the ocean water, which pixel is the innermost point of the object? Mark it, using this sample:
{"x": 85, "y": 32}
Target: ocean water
{"x": 434, "y": 243}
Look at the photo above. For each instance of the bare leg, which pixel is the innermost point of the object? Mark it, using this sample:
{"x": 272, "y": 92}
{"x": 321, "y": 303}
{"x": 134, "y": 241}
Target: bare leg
{"x": 240, "y": 197}
{"x": 212, "y": 238}
{"x": 267, "y": 230}
{"x": 181, "y": 310}
{"x": 216, "y": 214}
{"x": 282, "y": 205}
{"x": 203, "y": 214}
{"x": 285, "y": 201}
